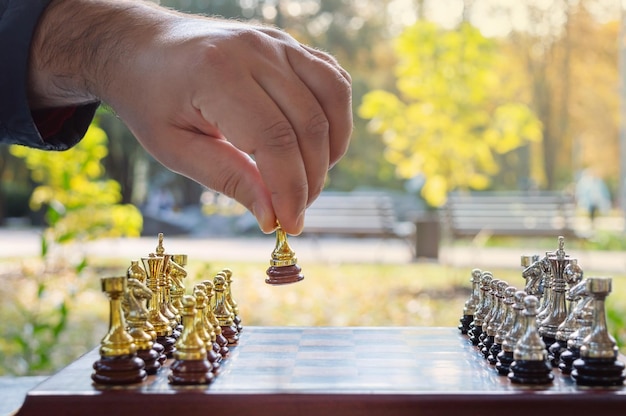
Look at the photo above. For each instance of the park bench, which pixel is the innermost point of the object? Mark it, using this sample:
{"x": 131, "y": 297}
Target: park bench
{"x": 525, "y": 214}
{"x": 356, "y": 214}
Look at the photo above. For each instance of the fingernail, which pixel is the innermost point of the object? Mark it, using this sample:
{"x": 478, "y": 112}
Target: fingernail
{"x": 300, "y": 222}
{"x": 262, "y": 217}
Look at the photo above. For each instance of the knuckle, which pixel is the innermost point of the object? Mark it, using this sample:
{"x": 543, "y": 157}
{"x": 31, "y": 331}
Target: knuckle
{"x": 318, "y": 125}
{"x": 280, "y": 135}
{"x": 228, "y": 183}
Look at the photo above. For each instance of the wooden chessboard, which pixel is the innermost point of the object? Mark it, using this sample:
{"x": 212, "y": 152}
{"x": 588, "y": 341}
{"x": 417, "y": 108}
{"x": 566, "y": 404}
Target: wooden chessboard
{"x": 325, "y": 371}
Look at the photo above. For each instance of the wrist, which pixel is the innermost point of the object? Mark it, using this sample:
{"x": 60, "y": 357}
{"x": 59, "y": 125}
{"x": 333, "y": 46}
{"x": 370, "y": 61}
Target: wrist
{"x": 80, "y": 48}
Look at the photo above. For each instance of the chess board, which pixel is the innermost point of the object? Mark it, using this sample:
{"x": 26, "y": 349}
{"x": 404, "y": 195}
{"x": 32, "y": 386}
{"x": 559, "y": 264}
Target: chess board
{"x": 329, "y": 371}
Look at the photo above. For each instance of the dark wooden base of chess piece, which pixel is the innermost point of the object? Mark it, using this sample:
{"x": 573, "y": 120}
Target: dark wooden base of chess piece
{"x": 555, "y": 350}
{"x": 548, "y": 341}
{"x": 598, "y": 372}
{"x": 230, "y": 333}
{"x": 169, "y": 345}
{"x": 474, "y": 335}
{"x": 464, "y": 326}
{"x": 191, "y": 372}
{"x": 237, "y": 322}
{"x": 222, "y": 343}
{"x": 124, "y": 369}
{"x": 151, "y": 359}
{"x": 486, "y": 345}
{"x": 566, "y": 360}
{"x": 282, "y": 275}
{"x": 505, "y": 358}
{"x": 215, "y": 359}
{"x": 530, "y": 372}
{"x": 217, "y": 349}
{"x": 493, "y": 353}
{"x": 160, "y": 349}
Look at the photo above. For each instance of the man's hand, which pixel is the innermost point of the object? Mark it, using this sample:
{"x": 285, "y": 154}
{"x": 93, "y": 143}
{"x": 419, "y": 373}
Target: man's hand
{"x": 246, "y": 111}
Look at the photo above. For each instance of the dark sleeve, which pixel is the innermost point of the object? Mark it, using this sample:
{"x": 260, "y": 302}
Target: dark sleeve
{"x": 54, "y": 129}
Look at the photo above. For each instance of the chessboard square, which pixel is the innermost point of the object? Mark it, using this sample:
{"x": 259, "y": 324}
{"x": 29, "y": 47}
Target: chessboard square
{"x": 328, "y": 332}
{"x": 327, "y": 342}
{"x": 267, "y": 338}
{"x": 383, "y": 349}
{"x": 387, "y": 362}
{"x": 255, "y": 362}
{"x": 323, "y": 363}
{"x": 268, "y": 349}
{"x": 325, "y": 355}
{"x": 325, "y": 373}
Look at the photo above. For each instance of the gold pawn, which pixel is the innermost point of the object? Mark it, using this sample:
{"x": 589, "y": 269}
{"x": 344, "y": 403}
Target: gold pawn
{"x": 201, "y": 288}
{"x": 189, "y": 345}
{"x": 282, "y": 255}
{"x": 231, "y": 301}
{"x": 221, "y": 311}
{"x": 220, "y": 339}
{"x": 203, "y": 326}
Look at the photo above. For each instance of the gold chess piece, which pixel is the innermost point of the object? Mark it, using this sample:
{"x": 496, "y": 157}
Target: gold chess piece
{"x": 204, "y": 328}
{"x": 153, "y": 265}
{"x": 177, "y": 277}
{"x": 137, "y": 272}
{"x": 190, "y": 364}
{"x": 135, "y": 298}
{"x": 220, "y": 339}
{"x": 222, "y": 312}
{"x": 118, "y": 363}
{"x": 166, "y": 284}
{"x": 231, "y": 301}
{"x": 283, "y": 264}
{"x": 200, "y": 290}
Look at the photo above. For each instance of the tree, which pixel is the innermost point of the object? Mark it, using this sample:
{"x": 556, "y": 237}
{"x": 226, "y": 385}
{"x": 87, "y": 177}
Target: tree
{"x": 450, "y": 115}
{"x": 80, "y": 202}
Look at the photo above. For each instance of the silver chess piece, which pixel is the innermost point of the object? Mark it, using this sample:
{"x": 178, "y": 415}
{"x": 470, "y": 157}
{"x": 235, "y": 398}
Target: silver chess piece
{"x": 506, "y": 325}
{"x": 517, "y": 329}
{"x": 484, "y": 304}
{"x": 497, "y": 317}
{"x": 471, "y": 304}
{"x": 530, "y": 365}
{"x": 556, "y": 310}
{"x": 573, "y": 277}
{"x": 598, "y": 364}
{"x": 583, "y": 315}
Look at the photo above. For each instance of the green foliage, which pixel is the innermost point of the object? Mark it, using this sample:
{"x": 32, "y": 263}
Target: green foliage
{"x": 450, "y": 115}
{"x": 80, "y": 203}
{"x": 607, "y": 240}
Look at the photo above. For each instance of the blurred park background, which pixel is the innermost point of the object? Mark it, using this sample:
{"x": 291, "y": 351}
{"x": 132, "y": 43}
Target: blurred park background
{"x": 449, "y": 96}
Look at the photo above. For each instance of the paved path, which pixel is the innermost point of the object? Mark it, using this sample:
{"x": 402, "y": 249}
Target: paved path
{"x": 25, "y": 242}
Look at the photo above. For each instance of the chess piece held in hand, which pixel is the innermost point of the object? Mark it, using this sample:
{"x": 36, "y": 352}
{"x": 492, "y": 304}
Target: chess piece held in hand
{"x": 283, "y": 264}
{"x": 118, "y": 363}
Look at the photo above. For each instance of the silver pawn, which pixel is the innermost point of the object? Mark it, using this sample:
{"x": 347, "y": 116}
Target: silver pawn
{"x": 530, "y": 365}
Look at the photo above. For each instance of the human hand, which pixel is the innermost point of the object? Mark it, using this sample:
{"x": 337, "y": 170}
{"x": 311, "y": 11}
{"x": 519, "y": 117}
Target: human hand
{"x": 203, "y": 96}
